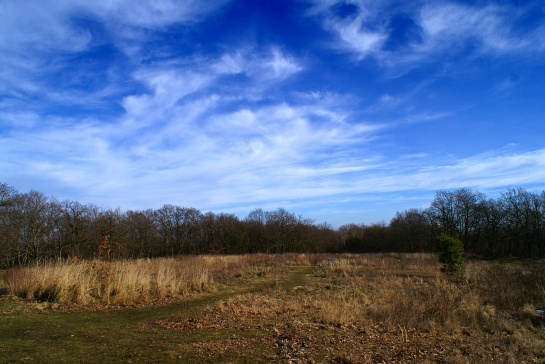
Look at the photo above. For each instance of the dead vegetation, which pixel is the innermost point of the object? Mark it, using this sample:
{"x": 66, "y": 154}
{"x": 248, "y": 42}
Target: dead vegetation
{"x": 134, "y": 282}
{"x": 386, "y": 307}
{"x": 369, "y": 308}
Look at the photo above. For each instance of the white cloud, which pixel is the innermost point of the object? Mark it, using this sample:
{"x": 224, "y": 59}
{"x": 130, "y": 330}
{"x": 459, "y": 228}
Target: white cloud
{"x": 151, "y": 13}
{"x": 42, "y": 35}
{"x": 272, "y": 65}
{"x": 358, "y": 32}
{"x": 181, "y": 101}
{"x": 451, "y": 25}
{"x": 356, "y": 38}
{"x": 48, "y": 24}
{"x": 278, "y": 66}
{"x": 261, "y": 154}
{"x": 247, "y": 154}
{"x": 181, "y": 133}
{"x": 487, "y": 170}
{"x": 507, "y": 84}
{"x": 231, "y": 63}
{"x": 167, "y": 87}
{"x": 444, "y": 26}
{"x": 40, "y": 26}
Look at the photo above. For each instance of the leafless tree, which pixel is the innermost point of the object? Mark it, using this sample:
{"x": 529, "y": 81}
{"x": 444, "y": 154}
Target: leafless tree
{"x": 32, "y": 222}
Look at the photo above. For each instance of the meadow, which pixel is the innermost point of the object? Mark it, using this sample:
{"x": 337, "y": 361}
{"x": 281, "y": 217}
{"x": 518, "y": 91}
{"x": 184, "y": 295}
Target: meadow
{"x": 296, "y": 308}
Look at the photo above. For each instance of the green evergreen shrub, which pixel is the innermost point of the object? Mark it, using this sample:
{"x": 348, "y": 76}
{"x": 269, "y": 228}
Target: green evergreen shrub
{"x": 451, "y": 251}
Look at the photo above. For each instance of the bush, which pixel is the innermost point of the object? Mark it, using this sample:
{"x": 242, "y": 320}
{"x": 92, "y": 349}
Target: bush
{"x": 451, "y": 250}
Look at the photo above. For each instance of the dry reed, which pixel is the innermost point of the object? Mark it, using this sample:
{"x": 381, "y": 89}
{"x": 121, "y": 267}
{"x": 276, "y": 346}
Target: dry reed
{"x": 137, "y": 281}
{"x": 118, "y": 282}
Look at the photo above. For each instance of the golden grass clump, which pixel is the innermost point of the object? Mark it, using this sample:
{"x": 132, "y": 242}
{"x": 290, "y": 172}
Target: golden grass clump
{"x": 54, "y": 282}
{"x": 138, "y": 281}
{"x": 118, "y": 282}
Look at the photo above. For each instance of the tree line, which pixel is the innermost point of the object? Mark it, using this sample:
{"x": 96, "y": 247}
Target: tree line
{"x": 34, "y": 228}
{"x": 512, "y": 225}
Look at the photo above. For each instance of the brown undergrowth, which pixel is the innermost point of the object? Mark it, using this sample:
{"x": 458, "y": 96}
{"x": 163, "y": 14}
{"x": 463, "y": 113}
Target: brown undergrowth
{"x": 371, "y": 308}
{"x": 383, "y": 308}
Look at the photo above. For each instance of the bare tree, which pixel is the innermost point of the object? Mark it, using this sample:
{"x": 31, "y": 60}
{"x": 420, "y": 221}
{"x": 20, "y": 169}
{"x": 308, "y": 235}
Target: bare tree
{"x": 179, "y": 227}
{"x": 229, "y": 233}
{"x": 33, "y": 222}
{"x": 280, "y": 225}
{"x": 142, "y": 235}
{"x": 411, "y": 231}
{"x": 255, "y": 230}
{"x": 456, "y": 212}
{"x": 7, "y": 195}
{"x": 443, "y": 209}
{"x": 491, "y": 228}
{"x": 467, "y": 204}
{"x": 516, "y": 204}
{"x": 73, "y": 225}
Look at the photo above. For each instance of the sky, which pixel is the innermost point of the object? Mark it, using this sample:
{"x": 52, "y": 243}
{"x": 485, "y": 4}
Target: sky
{"x": 341, "y": 111}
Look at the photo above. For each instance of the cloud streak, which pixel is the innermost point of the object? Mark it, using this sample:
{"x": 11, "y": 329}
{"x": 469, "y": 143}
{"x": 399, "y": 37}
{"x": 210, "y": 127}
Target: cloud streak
{"x": 438, "y": 28}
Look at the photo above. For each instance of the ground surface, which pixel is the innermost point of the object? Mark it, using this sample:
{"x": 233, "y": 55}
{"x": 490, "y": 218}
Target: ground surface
{"x": 262, "y": 318}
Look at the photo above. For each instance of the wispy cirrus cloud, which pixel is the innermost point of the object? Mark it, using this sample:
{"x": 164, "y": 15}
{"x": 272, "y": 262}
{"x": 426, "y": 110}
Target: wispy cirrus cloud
{"x": 493, "y": 27}
{"x": 152, "y": 14}
{"x": 178, "y": 94}
{"x": 358, "y": 38}
{"x": 492, "y": 169}
{"x": 59, "y": 27}
{"x": 365, "y": 28}
{"x": 185, "y": 129}
{"x": 354, "y": 24}
{"x": 255, "y": 154}
{"x": 271, "y": 64}
{"x": 58, "y": 38}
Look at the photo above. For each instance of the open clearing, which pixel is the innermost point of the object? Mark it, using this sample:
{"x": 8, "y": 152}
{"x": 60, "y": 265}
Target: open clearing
{"x": 391, "y": 308}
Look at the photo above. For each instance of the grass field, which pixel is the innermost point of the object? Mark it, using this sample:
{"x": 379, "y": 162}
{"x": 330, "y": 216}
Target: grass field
{"x": 393, "y": 308}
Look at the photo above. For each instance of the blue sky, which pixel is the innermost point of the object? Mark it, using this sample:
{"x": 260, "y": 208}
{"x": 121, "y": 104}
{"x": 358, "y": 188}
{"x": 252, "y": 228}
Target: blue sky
{"x": 342, "y": 111}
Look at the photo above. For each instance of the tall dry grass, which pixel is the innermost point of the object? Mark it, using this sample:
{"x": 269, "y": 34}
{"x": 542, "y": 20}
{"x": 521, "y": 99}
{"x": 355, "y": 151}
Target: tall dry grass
{"x": 118, "y": 282}
{"x": 410, "y": 290}
{"x": 138, "y": 281}
{"x": 396, "y": 289}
